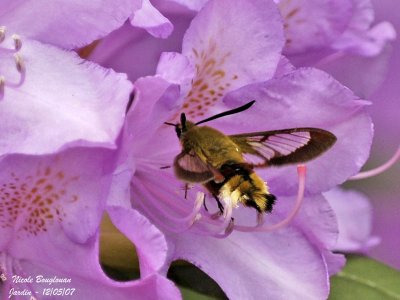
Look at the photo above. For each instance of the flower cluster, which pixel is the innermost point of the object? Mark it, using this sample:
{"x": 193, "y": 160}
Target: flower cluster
{"x": 80, "y": 139}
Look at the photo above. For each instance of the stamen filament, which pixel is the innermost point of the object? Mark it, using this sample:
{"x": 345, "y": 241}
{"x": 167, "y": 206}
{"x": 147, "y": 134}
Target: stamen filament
{"x": 226, "y": 224}
{"x": 2, "y": 84}
{"x": 181, "y": 223}
{"x": 301, "y": 171}
{"x": 2, "y": 33}
{"x": 378, "y": 170}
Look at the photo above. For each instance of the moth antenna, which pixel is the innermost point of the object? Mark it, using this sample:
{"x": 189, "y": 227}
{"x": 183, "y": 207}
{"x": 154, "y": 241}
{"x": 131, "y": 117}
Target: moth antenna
{"x": 171, "y": 124}
{"x": 228, "y": 112}
{"x": 183, "y": 121}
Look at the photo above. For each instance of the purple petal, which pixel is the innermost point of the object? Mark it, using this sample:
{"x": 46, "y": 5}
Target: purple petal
{"x": 60, "y": 102}
{"x": 195, "y": 5}
{"x": 67, "y": 24}
{"x": 359, "y": 38}
{"x": 150, "y": 19}
{"x": 306, "y": 98}
{"x": 317, "y": 221}
{"x": 149, "y": 242}
{"x": 363, "y": 75}
{"x": 181, "y": 73}
{"x": 124, "y": 49}
{"x": 52, "y": 199}
{"x": 313, "y": 24}
{"x": 266, "y": 265}
{"x": 354, "y": 216}
{"x": 243, "y": 48}
{"x": 284, "y": 67}
{"x": 156, "y": 102}
{"x": 97, "y": 285}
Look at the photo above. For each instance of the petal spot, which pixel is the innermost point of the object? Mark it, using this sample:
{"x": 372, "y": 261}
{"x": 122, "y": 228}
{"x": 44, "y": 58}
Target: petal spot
{"x": 211, "y": 76}
{"x": 32, "y": 204}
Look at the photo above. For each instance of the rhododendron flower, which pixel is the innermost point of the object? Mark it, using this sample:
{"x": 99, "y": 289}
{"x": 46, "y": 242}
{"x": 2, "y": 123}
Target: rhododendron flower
{"x": 335, "y": 36}
{"x": 50, "y": 210}
{"x": 50, "y": 98}
{"x": 231, "y": 54}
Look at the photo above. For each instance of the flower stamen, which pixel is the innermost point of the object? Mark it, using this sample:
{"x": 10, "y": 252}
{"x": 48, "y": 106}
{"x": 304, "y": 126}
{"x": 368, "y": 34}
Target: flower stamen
{"x": 17, "y": 42}
{"x": 2, "y": 84}
{"x": 2, "y": 33}
{"x": 301, "y": 171}
{"x": 378, "y": 170}
{"x": 18, "y": 59}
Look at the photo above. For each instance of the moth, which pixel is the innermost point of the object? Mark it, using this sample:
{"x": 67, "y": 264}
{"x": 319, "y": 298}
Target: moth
{"x": 225, "y": 164}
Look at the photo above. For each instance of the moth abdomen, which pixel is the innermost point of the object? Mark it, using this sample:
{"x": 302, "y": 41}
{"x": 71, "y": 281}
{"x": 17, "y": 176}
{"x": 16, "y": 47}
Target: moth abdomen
{"x": 250, "y": 190}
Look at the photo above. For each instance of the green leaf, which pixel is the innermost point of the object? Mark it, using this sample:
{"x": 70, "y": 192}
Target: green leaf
{"x": 366, "y": 279}
{"x": 194, "y": 283}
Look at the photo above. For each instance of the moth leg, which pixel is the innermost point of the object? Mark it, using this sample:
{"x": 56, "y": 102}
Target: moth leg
{"x": 220, "y": 206}
{"x": 165, "y": 167}
{"x": 204, "y": 203}
{"x": 186, "y": 190}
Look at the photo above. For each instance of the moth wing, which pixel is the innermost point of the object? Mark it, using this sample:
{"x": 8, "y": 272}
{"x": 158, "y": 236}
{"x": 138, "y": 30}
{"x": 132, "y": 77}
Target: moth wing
{"x": 190, "y": 167}
{"x": 281, "y": 147}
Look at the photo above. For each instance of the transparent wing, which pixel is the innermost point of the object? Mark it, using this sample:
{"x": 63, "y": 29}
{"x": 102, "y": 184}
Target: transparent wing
{"x": 287, "y": 146}
{"x": 190, "y": 168}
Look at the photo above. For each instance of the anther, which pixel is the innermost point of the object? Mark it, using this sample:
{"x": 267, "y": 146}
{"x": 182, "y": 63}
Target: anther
{"x": 17, "y": 42}
{"x": 2, "y": 33}
{"x": 19, "y": 63}
{"x": 2, "y": 84}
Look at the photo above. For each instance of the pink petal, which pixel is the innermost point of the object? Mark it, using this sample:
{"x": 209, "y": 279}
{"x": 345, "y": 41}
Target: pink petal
{"x": 265, "y": 265}
{"x": 124, "y": 49}
{"x": 67, "y": 24}
{"x": 61, "y": 102}
{"x": 63, "y": 193}
{"x": 313, "y": 24}
{"x": 354, "y": 216}
{"x": 317, "y": 220}
{"x": 195, "y": 5}
{"x": 149, "y": 18}
{"x": 97, "y": 285}
{"x": 231, "y": 46}
{"x": 359, "y": 38}
{"x": 363, "y": 75}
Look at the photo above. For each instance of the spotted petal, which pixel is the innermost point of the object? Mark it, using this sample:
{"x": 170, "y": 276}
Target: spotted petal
{"x": 230, "y": 46}
{"x": 313, "y": 24}
{"x": 52, "y": 194}
{"x": 61, "y": 100}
